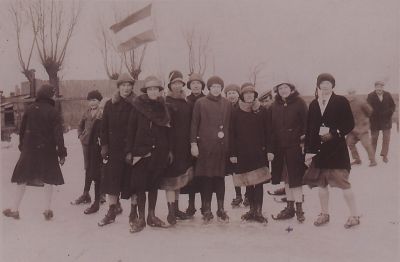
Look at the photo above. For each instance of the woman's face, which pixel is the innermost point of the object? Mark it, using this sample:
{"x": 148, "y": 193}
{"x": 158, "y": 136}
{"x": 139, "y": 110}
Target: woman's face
{"x": 153, "y": 92}
{"x": 125, "y": 89}
{"x": 284, "y": 91}
{"x": 232, "y": 96}
{"x": 249, "y": 97}
{"x": 326, "y": 88}
{"x": 215, "y": 89}
{"x": 176, "y": 87}
{"x": 94, "y": 103}
{"x": 195, "y": 87}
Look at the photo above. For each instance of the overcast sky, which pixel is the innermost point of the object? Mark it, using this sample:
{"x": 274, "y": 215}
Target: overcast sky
{"x": 355, "y": 40}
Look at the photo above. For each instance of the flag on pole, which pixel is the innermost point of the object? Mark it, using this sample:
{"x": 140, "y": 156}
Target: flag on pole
{"x": 134, "y": 30}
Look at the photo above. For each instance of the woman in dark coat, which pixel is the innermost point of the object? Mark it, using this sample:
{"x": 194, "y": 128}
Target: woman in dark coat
{"x": 209, "y": 143}
{"x": 113, "y": 141}
{"x": 42, "y": 150}
{"x": 180, "y": 172}
{"x": 248, "y": 150}
{"x": 288, "y": 125}
{"x": 196, "y": 86}
{"x": 148, "y": 151}
{"x": 329, "y": 120}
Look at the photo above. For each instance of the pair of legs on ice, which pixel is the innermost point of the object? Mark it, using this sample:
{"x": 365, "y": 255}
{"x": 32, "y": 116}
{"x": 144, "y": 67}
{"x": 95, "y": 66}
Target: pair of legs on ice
{"x": 85, "y": 197}
{"x": 210, "y": 185}
{"x": 385, "y": 143}
{"x": 255, "y": 196}
{"x": 239, "y": 199}
{"x": 19, "y": 195}
{"x": 173, "y": 207}
{"x": 293, "y": 195}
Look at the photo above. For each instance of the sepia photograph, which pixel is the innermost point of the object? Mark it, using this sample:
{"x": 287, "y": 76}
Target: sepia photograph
{"x": 199, "y": 130}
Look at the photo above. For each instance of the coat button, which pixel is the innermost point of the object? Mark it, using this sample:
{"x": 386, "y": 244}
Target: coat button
{"x": 153, "y": 146}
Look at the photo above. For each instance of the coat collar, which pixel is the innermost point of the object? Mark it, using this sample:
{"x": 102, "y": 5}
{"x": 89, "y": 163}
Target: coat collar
{"x": 116, "y": 98}
{"x": 155, "y": 111}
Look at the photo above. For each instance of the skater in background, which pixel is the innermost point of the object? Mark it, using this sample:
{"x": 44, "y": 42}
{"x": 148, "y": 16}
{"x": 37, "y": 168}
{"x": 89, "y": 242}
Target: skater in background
{"x": 288, "y": 125}
{"x": 361, "y": 112}
{"x": 383, "y": 107}
{"x": 329, "y": 121}
{"x": 232, "y": 92}
{"x": 266, "y": 99}
{"x": 41, "y": 143}
{"x": 248, "y": 150}
{"x": 196, "y": 86}
{"x": 113, "y": 141}
{"x": 209, "y": 143}
{"x": 89, "y": 117}
{"x": 180, "y": 172}
{"x": 148, "y": 151}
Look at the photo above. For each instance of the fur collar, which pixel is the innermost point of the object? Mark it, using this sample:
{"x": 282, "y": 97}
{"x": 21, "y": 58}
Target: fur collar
{"x": 116, "y": 98}
{"x": 250, "y": 107}
{"x": 290, "y": 99}
{"x": 156, "y": 111}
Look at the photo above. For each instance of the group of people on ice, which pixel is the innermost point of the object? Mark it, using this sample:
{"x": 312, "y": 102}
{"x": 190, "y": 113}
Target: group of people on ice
{"x": 187, "y": 145}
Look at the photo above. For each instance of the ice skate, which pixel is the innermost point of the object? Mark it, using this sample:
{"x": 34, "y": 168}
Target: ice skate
{"x": 8, "y": 213}
{"x": 246, "y": 201}
{"x": 237, "y": 201}
{"x": 83, "y": 199}
{"x": 137, "y": 225}
{"x": 222, "y": 216}
{"x": 352, "y": 221}
{"x": 118, "y": 209}
{"x": 171, "y": 217}
{"x": 154, "y": 221}
{"x": 248, "y": 216}
{"x": 322, "y": 219}
{"x": 300, "y": 213}
{"x": 278, "y": 192}
{"x": 48, "y": 214}
{"x": 190, "y": 211}
{"x": 93, "y": 208}
{"x": 109, "y": 217}
{"x": 287, "y": 213}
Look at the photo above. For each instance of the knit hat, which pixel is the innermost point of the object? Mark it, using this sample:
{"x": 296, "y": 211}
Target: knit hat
{"x": 232, "y": 87}
{"x": 379, "y": 83}
{"x": 151, "y": 81}
{"x": 95, "y": 94}
{"x": 248, "y": 87}
{"x": 215, "y": 80}
{"x": 196, "y": 77}
{"x": 291, "y": 86}
{"x": 325, "y": 77}
{"x": 125, "y": 78}
{"x": 175, "y": 76}
{"x": 46, "y": 91}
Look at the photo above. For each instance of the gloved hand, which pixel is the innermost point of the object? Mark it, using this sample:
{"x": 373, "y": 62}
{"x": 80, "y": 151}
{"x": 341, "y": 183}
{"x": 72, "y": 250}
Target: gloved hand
{"x": 62, "y": 161}
{"x": 194, "y": 149}
{"x": 128, "y": 158}
{"x": 270, "y": 156}
{"x": 233, "y": 160}
{"x": 104, "y": 151}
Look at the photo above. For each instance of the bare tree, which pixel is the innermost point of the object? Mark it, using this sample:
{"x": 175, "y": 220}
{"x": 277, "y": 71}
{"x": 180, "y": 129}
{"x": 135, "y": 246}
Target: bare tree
{"x": 255, "y": 71}
{"x": 18, "y": 13}
{"x": 198, "y": 50}
{"x": 133, "y": 61}
{"x": 55, "y": 26}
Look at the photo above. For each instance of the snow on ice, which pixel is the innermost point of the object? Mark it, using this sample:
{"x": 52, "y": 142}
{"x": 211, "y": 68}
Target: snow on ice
{"x": 73, "y": 236}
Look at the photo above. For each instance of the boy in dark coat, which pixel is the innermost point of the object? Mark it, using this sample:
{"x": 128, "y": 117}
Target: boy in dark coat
{"x": 148, "y": 151}
{"x": 84, "y": 131}
{"x": 209, "y": 143}
{"x": 329, "y": 120}
{"x": 180, "y": 172}
{"x": 288, "y": 125}
{"x": 248, "y": 150}
{"x": 42, "y": 149}
{"x": 113, "y": 141}
{"x": 381, "y": 118}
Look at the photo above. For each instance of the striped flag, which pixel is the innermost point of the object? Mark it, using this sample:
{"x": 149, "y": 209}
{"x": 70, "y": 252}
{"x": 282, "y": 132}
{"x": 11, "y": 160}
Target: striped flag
{"x": 134, "y": 30}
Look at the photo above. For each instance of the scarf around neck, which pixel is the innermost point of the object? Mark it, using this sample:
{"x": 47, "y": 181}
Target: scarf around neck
{"x": 250, "y": 107}
{"x": 155, "y": 110}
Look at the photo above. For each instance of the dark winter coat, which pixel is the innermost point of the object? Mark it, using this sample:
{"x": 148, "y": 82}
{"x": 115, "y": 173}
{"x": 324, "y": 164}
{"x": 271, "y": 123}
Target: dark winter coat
{"x": 211, "y": 115}
{"x": 248, "y": 138}
{"x": 338, "y": 117}
{"x": 361, "y": 112}
{"x": 95, "y": 160}
{"x": 148, "y": 133}
{"x": 381, "y": 118}
{"x": 85, "y": 126}
{"x": 41, "y": 144}
{"x": 113, "y": 135}
{"x": 181, "y": 116}
{"x": 191, "y": 99}
{"x": 288, "y": 124}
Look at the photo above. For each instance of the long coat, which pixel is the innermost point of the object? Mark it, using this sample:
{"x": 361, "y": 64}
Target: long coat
{"x": 147, "y": 137}
{"x": 361, "y": 112}
{"x": 113, "y": 134}
{"x": 41, "y": 144}
{"x": 288, "y": 124}
{"x": 248, "y": 138}
{"x": 180, "y": 171}
{"x": 338, "y": 117}
{"x": 210, "y": 130}
{"x": 381, "y": 118}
